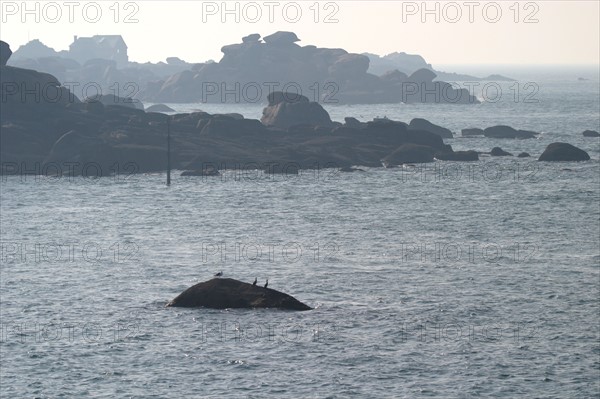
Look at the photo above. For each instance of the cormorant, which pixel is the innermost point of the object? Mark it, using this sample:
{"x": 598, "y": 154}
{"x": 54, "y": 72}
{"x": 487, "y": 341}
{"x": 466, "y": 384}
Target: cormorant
{"x": 255, "y": 280}
{"x": 267, "y": 283}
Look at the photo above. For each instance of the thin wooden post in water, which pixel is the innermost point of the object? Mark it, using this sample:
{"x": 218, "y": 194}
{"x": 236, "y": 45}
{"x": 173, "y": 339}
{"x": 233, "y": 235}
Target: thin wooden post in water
{"x": 168, "y": 151}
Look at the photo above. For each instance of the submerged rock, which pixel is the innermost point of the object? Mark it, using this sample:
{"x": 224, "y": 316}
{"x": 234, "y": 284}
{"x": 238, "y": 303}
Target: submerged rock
{"x": 507, "y": 132}
{"x": 563, "y": 152}
{"x": 223, "y": 293}
{"x": 591, "y": 133}
{"x": 523, "y": 155}
{"x": 499, "y": 152}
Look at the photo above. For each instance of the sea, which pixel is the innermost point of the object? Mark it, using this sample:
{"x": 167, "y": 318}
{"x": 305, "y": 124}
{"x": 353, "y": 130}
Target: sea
{"x": 444, "y": 280}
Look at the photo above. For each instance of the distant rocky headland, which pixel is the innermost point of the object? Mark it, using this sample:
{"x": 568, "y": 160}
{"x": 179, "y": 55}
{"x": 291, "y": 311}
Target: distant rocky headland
{"x": 247, "y": 73}
{"x": 47, "y": 130}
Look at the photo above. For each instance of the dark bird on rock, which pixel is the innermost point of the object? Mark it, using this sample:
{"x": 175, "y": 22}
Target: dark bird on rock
{"x": 219, "y": 274}
{"x": 267, "y": 283}
{"x": 255, "y": 281}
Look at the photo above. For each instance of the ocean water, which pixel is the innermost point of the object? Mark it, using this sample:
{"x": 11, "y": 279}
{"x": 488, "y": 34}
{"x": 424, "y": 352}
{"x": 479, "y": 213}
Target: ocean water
{"x": 449, "y": 280}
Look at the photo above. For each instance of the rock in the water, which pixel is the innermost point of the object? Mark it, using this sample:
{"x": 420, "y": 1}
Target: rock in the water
{"x": 409, "y": 153}
{"x": 159, "y": 108}
{"x": 226, "y": 293}
{"x": 507, "y": 132}
{"x": 472, "y": 132}
{"x": 591, "y": 133}
{"x": 499, "y": 152}
{"x": 523, "y": 155}
{"x": 289, "y": 109}
{"x": 5, "y": 53}
{"x": 423, "y": 124}
{"x": 559, "y": 152}
{"x": 462, "y": 156}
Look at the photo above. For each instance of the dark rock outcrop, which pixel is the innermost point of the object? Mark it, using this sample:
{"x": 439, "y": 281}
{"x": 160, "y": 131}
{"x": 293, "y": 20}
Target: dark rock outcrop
{"x": 499, "y": 152}
{"x": 226, "y": 293}
{"x": 409, "y": 153}
{"x": 591, "y": 133}
{"x": 5, "y": 53}
{"x": 423, "y": 124}
{"x": 507, "y": 132}
{"x": 461, "y": 156}
{"x": 563, "y": 152}
{"x": 101, "y": 140}
{"x": 523, "y": 155}
{"x": 286, "y": 110}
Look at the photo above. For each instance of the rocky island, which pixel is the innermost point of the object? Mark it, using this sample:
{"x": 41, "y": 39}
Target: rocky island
{"x": 227, "y": 293}
{"x": 47, "y": 130}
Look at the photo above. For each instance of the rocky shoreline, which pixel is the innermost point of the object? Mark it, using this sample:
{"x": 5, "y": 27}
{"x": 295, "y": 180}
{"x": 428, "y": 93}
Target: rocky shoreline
{"x": 45, "y": 129}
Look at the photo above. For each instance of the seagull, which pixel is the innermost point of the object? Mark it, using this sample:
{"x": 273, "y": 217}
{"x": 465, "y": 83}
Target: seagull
{"x": 255, "y": 280}
{"x": 219, "y": 274}
{"x": 267, "y": 283}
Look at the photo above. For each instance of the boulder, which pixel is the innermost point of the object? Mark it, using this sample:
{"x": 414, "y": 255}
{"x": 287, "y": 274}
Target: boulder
{"x": 5, "y": 53}
{"x": 423, "y": 124}
{"x": 353, "y": 123}
{"x": 283, "y": 114}
{"x": 507, "y": 132}
{"x": 277, "y": 97}
{"x": 563, "y": 152}
{"x": 281, "y": 38}
{"x": 409, "y": 153}
{"x": 523, "y": 155}
{"x": 422, "y": 75}
{"x": 226, "y": 293}
{"x": 349, "y": 65}
{"x": 499, "y": 152}
{"x": 253, "y": 38}
{"x": 472, "y": 132}
{"x": 591, "y": 133}
{"x": 394, "y": 76}
{"x": 159, "y": 108}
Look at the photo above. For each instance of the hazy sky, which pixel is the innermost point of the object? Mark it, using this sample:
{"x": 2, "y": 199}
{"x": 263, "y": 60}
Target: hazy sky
{"x": 502, "y": 32}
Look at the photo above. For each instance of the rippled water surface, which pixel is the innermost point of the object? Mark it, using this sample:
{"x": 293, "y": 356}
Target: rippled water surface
{"x": 447, "y": 280}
